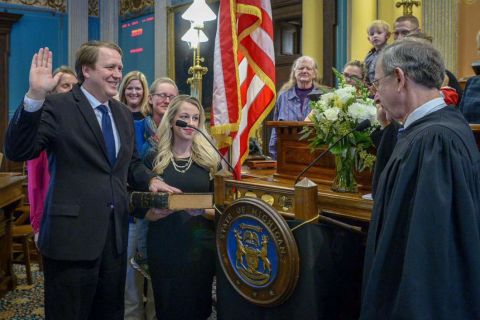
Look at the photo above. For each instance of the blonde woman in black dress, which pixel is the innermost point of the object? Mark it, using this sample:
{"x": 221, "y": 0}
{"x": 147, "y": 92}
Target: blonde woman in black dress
{"x": 181, "y": 244}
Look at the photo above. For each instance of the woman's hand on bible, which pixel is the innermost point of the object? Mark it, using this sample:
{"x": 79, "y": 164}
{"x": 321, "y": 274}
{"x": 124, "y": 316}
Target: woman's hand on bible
{"x": 154, "y": 214}
{"x": 158, "y": 185}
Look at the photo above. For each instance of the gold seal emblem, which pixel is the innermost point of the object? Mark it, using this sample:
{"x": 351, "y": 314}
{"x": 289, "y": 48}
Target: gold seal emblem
{"x": 257, "y": 252}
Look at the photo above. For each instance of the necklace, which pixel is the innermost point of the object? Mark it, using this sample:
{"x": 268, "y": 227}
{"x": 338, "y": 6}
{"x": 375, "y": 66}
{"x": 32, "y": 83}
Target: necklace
{"x": 182, "y": 168}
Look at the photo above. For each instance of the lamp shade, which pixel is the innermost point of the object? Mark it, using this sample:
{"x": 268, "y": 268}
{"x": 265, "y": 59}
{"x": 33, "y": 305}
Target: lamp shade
{"x": 199, "y": 11}
{"x": 194, "y": 36}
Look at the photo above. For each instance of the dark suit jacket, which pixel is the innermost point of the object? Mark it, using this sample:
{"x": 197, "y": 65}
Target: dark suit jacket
{"x": 470, "y": 104}
{"x": 83, "y": 186}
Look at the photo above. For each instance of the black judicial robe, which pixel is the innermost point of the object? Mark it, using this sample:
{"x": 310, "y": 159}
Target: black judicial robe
{"x": 384, "y": 141}
{"x": 423, "y": 250}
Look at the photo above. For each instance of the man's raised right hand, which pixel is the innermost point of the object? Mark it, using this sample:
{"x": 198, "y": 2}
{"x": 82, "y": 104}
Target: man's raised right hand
{"x": 41, "y": 79}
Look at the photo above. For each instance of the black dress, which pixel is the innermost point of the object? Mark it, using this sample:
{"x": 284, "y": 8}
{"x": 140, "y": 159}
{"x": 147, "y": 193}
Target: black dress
{"x": 422, "y": 257}
{"x": 181, "y": 252}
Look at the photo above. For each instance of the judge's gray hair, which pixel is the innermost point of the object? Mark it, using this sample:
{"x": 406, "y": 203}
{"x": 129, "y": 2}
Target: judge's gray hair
{"x": 417, "y": 58}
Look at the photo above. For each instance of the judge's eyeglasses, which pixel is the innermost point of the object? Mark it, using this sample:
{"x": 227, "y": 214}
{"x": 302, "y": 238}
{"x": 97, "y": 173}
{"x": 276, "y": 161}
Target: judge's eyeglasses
{"x": 376, "y": 82}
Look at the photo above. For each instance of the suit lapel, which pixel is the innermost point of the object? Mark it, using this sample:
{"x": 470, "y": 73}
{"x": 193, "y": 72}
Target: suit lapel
{"x": 90, "y": 118}
{"x": 120, "y": 125}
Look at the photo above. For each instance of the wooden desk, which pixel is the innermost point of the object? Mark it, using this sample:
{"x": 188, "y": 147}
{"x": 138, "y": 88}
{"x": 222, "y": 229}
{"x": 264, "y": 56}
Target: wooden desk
{"x": 279, "y": 192}
{"x": 10, "y": 196}
{"x": 276, "y": 187}
{"x": 293, "y": 155}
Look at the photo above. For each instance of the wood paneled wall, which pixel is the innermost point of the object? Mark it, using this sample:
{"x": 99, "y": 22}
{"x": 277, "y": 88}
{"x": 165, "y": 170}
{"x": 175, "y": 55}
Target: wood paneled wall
{"x": 6, "y": 22}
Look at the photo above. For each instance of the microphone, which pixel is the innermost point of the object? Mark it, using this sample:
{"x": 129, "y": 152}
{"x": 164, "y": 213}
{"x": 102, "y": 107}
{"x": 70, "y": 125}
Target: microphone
{"x": 315, "y": 94}
{"x": 360, "y": 127}
{"x": 183, "y": 124}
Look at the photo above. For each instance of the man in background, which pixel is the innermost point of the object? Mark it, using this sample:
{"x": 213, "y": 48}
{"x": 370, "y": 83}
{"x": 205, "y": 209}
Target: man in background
{"x": 405, "y": 25}
{"x": 470, "y": 104}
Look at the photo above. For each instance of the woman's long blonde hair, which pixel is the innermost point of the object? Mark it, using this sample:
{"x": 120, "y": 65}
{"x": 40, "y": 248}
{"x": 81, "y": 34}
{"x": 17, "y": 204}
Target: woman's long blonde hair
{"x": 134, "y": 75}
{"x": 203, "y": 153}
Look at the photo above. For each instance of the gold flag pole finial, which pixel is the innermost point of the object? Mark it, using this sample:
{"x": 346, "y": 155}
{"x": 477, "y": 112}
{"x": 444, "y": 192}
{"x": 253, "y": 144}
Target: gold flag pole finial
{"x": 407, "y": 6}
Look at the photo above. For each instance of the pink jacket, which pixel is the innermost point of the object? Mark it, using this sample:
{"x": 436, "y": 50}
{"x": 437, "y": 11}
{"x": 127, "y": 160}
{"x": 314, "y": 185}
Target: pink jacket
{"x": 38, "y": 179}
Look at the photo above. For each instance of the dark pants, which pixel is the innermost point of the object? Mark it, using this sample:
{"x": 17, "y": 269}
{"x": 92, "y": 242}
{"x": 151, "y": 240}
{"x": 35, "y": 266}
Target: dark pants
{"x": 81, "y": 290}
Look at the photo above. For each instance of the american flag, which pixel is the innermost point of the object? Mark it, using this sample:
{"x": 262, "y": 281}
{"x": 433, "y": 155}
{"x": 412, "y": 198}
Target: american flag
{"x": 244, "y": 75}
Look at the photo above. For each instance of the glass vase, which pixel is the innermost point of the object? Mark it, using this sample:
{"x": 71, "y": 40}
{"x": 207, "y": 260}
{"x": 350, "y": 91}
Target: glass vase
{"x": 344, "y": 180}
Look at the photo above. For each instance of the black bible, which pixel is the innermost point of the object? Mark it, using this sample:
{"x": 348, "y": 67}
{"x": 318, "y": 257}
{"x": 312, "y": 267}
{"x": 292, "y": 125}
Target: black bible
{"x": 173, "y": 201}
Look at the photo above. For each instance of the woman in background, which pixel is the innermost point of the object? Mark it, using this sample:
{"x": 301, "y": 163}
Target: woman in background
{"x": 354, "y": 72}
{"x": 162, "y": 91}
{"x": 293, "y": 103}
{"x": 133, "y": 92}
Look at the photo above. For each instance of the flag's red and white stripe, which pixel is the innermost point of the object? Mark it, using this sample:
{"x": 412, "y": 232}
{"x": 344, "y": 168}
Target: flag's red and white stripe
{"x": 244, "y": 74}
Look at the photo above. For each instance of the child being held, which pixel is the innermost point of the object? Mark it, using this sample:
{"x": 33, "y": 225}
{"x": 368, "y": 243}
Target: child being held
{"x": 378, "y": 34}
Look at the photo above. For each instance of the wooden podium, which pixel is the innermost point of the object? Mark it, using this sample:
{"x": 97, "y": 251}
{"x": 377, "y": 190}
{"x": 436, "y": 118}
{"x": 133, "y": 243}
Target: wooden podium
{"x": 276, "y": 187}
{"x": 331, "y": 251}
{"x": 10, "y": 196}
{"x": 330, "y": 254}
{"x": 293, "y": 155}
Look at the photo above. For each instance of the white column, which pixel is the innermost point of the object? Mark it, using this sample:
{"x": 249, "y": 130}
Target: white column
{"x": 109, "y": 12}
{"x": 440, "y": 20}
{"x": 160, "y": 39}
{"x": 77, "y": 27}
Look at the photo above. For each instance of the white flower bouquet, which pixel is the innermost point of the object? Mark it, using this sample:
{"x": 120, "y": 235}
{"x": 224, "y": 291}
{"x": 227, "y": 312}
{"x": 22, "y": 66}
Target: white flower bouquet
{"x": 334, "y": 115}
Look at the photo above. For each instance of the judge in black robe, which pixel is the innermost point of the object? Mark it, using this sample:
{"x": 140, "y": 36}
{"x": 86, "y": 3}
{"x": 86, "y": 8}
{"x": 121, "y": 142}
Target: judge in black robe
{"x": 423, "y": 250}
{"x": 423, "y": 253}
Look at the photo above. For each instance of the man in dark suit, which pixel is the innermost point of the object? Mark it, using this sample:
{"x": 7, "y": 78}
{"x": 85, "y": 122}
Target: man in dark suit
{"x": 470, "y": 105}
{"x": 89, "y": 138}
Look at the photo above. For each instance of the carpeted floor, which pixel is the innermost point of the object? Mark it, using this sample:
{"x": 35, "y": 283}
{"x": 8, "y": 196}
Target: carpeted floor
{"x": 26, "y": 301}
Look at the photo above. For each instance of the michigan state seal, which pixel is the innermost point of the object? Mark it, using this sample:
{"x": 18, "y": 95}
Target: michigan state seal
{"x": 257, "y": 252}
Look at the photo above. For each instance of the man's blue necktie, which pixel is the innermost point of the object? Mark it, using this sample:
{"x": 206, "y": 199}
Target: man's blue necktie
{"x": 108, "y": 134}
